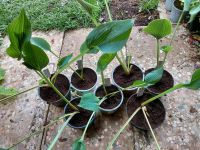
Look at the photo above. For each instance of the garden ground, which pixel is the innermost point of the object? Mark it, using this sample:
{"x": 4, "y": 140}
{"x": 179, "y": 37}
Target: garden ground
{"x": 27, "y": 113}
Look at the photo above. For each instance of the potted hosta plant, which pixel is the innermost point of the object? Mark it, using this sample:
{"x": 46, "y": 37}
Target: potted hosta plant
{"x": 31, "y": 51}
{"x": 159, "y": 29}
{"x": 147, "y": 111}
{"x": 114, "y": 95}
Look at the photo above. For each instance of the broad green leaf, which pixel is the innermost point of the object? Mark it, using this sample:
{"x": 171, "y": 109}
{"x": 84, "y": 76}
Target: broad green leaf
{"x": 64, "y": 61}
{"x": 2, "y": 74}
{"x": 43, "y": 44}
{"x": 187, "y": 5}
{"x": 110, "y": 37}
{"x": 166, "y": 48}
{"x": 193, "y": 12}
{"x": 88, "y": 5}
{"x": 78, "y": 145}
{"x": 104, "y": 61}
{"x": 7, "y": 91}
{"x": 154, "y": 76}
{"x": 159, "y": 28}
{"x": 195, "y": 81}
{"x": 34, "y": 57}
{"x": 139, "y": 83}
{"x": 19, "y": 31}
{"x": 89, "y": 102}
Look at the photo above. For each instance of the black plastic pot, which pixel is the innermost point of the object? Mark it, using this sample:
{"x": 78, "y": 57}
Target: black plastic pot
{"x": 82, "y": 86}
{"x": 164, "y": 84}
{"x": 78, "y": 121}
{"x": 51, "y": 97}
{"x": 155, "y": 109}
{"x": 176, "y": 11}
{"x": 117, "y": 99}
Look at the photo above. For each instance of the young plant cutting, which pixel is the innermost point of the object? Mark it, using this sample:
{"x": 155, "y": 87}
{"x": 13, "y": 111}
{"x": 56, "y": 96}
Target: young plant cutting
{"x": 144, "y": 107}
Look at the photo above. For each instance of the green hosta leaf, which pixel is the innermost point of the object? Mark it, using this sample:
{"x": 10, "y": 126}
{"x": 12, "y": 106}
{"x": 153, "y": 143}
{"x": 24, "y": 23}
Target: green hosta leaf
{"x": 159, "y": 28}
{"x": 64, "y": 61}
{"x": 88, "y": 5}
{"x": 89, "y": 102}
{"x": 139, "y": 83}
{"x": 2, "y": 74}
{"x": 154, "y": 76}
{"x": 7, "y": 91}
{"x": 43, "y": 44}
{"x": 19, "y": 31}
{"x": 194, "y": 11}
{"x": 187, "y": 5}
{"x": 166, "y": 48}
{"x": 78, "y": 145}
{"x": 195, "y": 81}
{"x": 109, "y": 37}
{"x": 34, "y": 57}
{"x": 104, "y": 61}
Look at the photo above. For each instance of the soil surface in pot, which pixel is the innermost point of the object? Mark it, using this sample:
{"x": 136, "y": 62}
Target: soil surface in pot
{"x": 178, "y": 4}
{"x": 113, "y": 100}
{"x": 124, "y": 80}
{"x": 90, "y": 79}
{"x": 81, "y": 118}
{"x": 61, "y": 83}
{"x": 164, "y": 84}
{"x": 155, "y": 110}
{"x": 127, "y": 9}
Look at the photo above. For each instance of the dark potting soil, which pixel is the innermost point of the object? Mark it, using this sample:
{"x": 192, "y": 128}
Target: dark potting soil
{"x": 155, "y": 110}
{"x": 127, "y": 9}
{"x": 90, "y": 79}
{"x": 81, "y": 118}
{"x": 164, "y": 84}
{"x": 124, "y": 80}
{"x": 61, "y": 83}
{"x": 112, "y": 101}
{"x": 178, "y": 4}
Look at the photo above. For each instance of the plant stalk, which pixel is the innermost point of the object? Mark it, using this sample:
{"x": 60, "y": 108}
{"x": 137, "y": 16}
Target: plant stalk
{"x": 108, "y": 10}
{"x": 39, "y": 131}
{"x": 57, "y": 91}
{"x": 158, "y": 51}
{"x": 54, "y": 54}
{"x": 88, "y": 123}
{"x": 143, "y": 110}
{"x": 109, "y": 147}
{"x": 178, "y": 86}
{"x": 76, "y": 72}
{"x": 103, "y": 82}
{"x": 6, "y": 98}
{"x": 82, "y": 68}
{"x": 177, "y": 25}
{"x": 123, "y": 65}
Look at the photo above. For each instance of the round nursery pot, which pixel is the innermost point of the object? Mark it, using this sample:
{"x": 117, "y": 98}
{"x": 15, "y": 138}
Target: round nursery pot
{"x": 168, "y": 5}
{"x": 156, "y": 112}
{"x": 121, "y": 80}
{"x": 80, "y": 120}
{"x": 50, "y": 96}
{"x": 112, "y": 103}
{"x": 164, "y": 84}
{"x": 88, "y": 84}
{"x": 177, "y": 9}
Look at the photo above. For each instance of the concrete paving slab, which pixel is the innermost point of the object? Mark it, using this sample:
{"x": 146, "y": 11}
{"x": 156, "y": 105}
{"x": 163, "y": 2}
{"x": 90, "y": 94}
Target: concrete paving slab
{"x": 27, "y": 112}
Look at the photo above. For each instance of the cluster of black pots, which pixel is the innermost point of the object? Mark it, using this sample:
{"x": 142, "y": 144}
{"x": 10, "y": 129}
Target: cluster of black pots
{"x": 120, "y": 80}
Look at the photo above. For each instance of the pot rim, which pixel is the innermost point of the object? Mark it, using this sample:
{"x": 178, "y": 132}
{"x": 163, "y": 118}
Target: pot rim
{"x": 86, "y": 89}
{"x": 148, "y": 88}
{"x": 38, "y": 89}
{"x": 130, "y": 89}
{"x": 131, "y": 119}
{"x": 80, "y": 127}
{"x": 177, "y": 9}
{"x": 115, "y": 108}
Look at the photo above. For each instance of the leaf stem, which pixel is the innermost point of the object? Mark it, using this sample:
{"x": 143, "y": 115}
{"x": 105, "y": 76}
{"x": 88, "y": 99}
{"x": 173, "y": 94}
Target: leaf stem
{"x": 177, "y": 25}
{"x": 143, "y": 110}
{"x": 158, "y": 51}
{"x": 6, "y": 98}
{"x": 121, "y": 129}
{"x": 108, "y": 10}
{"x": 57, "y": 91}
{"x": 103, "y": 82}
{"x": 54, "y": 54}
{"x": 88, "y": 123}
{"x": 82, "y": 68}
{"x": 123, "y": 65}
{"x": 76, "y": 72}
{"x": 178, "y": 86}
